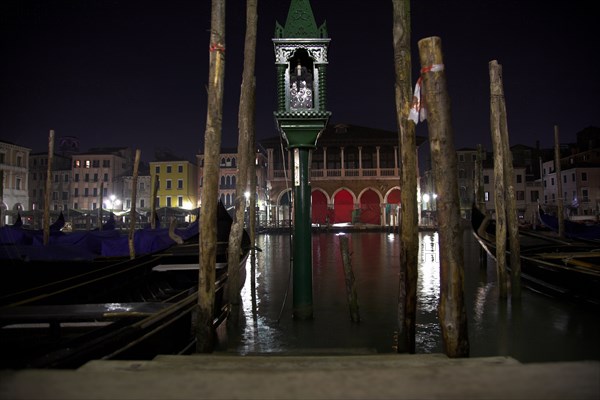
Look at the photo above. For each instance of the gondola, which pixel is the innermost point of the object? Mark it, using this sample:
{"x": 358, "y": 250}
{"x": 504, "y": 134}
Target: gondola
{"x": 19, "y": 245}
{"x": 565, "y": 269}
{"x": 574, "y": 230}
{"x": 133, "y": 309}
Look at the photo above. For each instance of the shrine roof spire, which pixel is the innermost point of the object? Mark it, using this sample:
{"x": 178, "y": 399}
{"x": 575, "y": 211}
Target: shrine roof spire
{"x": 300, "y": 23}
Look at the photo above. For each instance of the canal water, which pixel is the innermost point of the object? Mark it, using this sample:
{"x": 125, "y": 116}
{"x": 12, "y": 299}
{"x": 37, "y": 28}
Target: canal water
{"x": 536, "y": 329}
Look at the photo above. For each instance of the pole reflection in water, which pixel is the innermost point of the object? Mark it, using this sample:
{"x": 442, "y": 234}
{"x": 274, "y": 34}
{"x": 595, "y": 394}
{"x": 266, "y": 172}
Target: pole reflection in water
{"x": 537, "y": 328}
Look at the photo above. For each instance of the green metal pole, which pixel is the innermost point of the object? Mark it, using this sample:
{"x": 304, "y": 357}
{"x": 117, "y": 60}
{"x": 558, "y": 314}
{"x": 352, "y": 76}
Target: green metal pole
{"x": 302, "y": 263}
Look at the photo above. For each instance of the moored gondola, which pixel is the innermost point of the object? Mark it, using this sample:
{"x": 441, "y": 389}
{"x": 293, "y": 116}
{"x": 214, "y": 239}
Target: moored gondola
{"x": 560, "y": 268}
{"x": 130, "y": 309}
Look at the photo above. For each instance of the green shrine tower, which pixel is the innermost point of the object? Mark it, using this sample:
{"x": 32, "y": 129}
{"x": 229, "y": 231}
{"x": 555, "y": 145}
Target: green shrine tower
{"x": 301, "y": 61}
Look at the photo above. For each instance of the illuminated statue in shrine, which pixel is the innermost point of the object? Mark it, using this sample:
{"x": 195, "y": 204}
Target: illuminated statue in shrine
{"x": 301, "y": 88}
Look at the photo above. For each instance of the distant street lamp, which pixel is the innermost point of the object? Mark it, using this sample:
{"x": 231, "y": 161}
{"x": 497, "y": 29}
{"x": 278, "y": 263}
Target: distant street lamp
{"x": 114, "y": 202}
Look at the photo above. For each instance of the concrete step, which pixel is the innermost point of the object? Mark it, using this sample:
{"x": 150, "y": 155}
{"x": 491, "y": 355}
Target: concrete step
{"x": 320, "y": 360}
{"x": 296, "y": 376}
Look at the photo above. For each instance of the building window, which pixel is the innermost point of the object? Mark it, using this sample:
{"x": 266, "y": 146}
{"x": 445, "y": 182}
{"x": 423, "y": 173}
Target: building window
{"x": 56, "y": 178}
{"x": 3, "y": 157}
{"x": 65, "y": 195}
{"x": 169, "y": 184}
{"x": 54, "y": 195}
{"x": 519, "y": 178}
{"x": 142, "y": 203}
{"x": 76, "y": 177}
{"x": 94, "y": 205}
{"x": 573, "y": 177}
{"x": 180, "y": 169}
{"x": 564, "y": 179}
{"x": 95, "y": 177}
{"x": 168, "y": 201}
{"x": 157, "y": 201}
{"x": 86, "y": 192}
{"x": 179, "y": 183}
{"x": 105, "y": 177}
{"x": 76, "y": 192}
{"x": 19, "y": 161}
{"x": 88, "y": 163}
{"x": 179, "y": 201}
{"x": 86, "y": 178}
{"x": 96, "y": 163}
{"x": 106, "y": 163}
{"x": 18, "y": 184}
{"x": 157, "y": 169}
{"x": 535, "y": 195}
{"x": 486, "y": 179}
{"x": 66, "y": 178}
{"x": 520, "y": 195}
{"x": 486, "y": 196}
{"x": 584, "y": 193}
{"x": 77, "y": 164}
{"x": 551, "y": 181}
{"x": 584, "y": 176}
{"x": 95, "y": 191}
{"x": 76, "y": 206}
{"x": 168, "y": 169}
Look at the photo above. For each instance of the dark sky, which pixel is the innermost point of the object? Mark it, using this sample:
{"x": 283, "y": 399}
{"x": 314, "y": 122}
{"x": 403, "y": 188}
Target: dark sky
{"x": 133, "y": 72}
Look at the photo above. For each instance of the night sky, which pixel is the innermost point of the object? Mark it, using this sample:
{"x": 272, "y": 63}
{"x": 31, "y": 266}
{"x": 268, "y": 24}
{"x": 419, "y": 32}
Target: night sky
{"x": 134, "y": 72}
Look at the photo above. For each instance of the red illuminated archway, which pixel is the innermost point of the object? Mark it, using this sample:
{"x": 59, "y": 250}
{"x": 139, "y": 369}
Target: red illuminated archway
{"x": 370, "y": 210}
{"x": 343, "y": 204}
{"x": 319, "y": 207}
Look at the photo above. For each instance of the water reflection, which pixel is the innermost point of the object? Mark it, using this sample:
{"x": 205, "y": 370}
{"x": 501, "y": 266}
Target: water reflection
{"x": 535, "y": 329}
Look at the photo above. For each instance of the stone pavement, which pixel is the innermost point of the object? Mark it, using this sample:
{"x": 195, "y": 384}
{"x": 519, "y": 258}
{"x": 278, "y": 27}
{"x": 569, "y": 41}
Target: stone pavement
{"x": 326, "y": 376}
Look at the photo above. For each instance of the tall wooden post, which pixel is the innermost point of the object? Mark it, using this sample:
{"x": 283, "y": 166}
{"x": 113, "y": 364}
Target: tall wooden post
{"x": 512, "y": 217}
{"x": 496, "y": 96}
{"x": 132, "y": 213}
{"x": 153, "y": 202}
{"x": 409, "y": 251}
{"x": 100, "y": 195}
{"x": 205, "y": 335}
{"x": 245, "y": 159}
{"x": 48, "y": 191}
{"x": 479, "y": 196}
{"x": 560, "y": 215}
{"x": 453, "y": 317}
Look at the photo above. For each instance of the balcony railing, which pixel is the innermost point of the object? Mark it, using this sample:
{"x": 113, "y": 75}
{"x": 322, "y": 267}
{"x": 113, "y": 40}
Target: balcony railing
{"x": 331, "y": 174}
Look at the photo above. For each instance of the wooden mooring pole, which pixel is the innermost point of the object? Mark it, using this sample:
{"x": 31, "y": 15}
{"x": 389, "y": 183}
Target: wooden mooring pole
{"x": 560, "y": 215}
{"x": 496, "y": 96}
{"x": 205, "y": 334}
{"x": 132, "y": 213}
{"x": 350, "y": 281}
{"x": 48, "y": 190}
{"x": 100, "y": 208}
{"x": 512, "y": 218}
{"x": 452, "y": 314}
{"x": 153, "y": 202}
{"x": 479, "y": 197}
{"x": 409, "y": 232}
